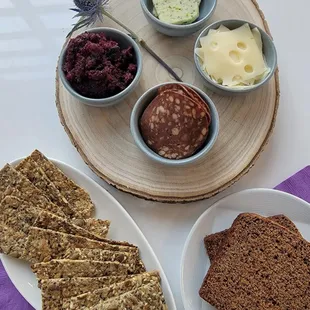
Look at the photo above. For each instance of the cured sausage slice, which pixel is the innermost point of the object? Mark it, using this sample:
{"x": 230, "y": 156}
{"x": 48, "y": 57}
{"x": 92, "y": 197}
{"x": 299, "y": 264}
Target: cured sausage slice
{"x": 173, "y": 125}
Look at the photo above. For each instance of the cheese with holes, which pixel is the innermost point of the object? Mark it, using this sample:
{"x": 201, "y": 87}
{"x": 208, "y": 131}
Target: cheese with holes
{"x": 233, "y": 58}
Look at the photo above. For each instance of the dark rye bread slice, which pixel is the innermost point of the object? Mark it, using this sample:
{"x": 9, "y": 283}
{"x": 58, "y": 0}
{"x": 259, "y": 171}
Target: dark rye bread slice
{"x": 44, "y": 244}
{"x": 260, "y": 266}
{"x": 213, "y": 242}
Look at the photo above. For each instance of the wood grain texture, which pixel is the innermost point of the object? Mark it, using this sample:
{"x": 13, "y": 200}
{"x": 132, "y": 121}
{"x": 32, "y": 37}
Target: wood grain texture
{"x": 102, "y": 136}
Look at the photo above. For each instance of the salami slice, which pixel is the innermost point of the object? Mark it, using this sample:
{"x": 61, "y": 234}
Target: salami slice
{"x": 174, "y": 126}
{"x": 189, "y": 92}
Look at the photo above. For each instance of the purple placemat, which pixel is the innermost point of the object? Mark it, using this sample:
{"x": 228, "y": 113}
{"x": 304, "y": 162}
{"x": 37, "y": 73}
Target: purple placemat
{"x": 10, "y": 298}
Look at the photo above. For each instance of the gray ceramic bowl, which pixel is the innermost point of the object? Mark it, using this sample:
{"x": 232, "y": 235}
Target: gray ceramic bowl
{"x": 269, "y": 51}
{"x": 137, "y": 112}
{"x": 124, "y": 41}
{"x": 207, "y": 8}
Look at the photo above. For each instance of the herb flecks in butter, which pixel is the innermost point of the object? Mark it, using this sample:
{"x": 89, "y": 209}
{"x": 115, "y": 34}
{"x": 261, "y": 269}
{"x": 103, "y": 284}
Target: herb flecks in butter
{"x": 177, "y": 12}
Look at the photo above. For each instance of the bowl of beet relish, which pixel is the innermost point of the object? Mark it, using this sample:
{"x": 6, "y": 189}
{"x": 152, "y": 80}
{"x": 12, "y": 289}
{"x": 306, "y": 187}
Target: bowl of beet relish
{"x": 101, "y": 66}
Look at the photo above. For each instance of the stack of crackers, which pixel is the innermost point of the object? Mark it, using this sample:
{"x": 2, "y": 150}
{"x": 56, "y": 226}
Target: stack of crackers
{"x": 45, "y": 219}
{"x": 259, "y": 263}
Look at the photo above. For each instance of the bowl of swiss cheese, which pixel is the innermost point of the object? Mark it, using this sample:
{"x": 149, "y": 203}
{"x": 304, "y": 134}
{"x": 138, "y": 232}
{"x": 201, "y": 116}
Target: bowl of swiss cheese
{"x": 235, "y": 56}
{"x": 174, "y": 123}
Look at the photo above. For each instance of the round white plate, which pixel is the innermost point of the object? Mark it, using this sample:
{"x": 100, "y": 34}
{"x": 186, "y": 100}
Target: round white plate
{"x": 267, "y": 202}
{"x": 122, "y": 228}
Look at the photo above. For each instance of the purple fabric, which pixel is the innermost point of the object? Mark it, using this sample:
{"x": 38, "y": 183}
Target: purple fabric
{"x": 10, "y": 298}
{"x": 298, "y": 184}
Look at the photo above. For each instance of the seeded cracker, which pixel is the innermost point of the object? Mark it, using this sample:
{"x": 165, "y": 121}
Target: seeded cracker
{"x": 93, "y": 298}
{"x": 75, "y": 195}
{"x": 14, "y": 183}
{"x": 97, "y": 227}
{"x": 146, "y": 297}
{"x": 66, "y": 268}
{"x": 43, "y": 245}
{"x": 131, "y": 259}
{"x": 50, "y": 221}
{"x": 54, "y": 291}
{"x": 31, "y": 170}
{"x": 12, "y": 242}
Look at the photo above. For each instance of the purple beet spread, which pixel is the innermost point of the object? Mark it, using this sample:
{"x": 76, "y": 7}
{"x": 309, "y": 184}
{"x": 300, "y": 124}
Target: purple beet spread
{"x": 96, "y": 66}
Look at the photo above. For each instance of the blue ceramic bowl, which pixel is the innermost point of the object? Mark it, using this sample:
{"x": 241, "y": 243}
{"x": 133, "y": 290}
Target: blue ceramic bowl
{"x": 124, "y": 41}
{"x": 138, "y": 110}
{"x": 207, "y": 8}
{"x": 269, "y": 52}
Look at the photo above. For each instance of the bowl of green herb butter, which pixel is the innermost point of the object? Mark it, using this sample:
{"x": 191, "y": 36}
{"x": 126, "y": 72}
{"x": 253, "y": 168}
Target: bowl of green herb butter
{"x": 178, "y": 18}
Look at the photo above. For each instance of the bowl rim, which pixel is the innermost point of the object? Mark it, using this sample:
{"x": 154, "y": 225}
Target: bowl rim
{"x": 106, "y": 100}
{"x": 135, "y": 131}
{"x": 179, "y": 27}
{"x": 227, "y": 88}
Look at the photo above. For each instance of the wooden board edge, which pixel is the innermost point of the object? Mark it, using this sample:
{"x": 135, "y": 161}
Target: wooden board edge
{"x": 170, "y": 199}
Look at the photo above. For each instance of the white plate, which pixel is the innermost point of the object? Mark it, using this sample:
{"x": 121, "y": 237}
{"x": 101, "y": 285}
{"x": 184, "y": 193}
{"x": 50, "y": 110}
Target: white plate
{"x": 267, "y": 202}
{"x": 122, "y": 228}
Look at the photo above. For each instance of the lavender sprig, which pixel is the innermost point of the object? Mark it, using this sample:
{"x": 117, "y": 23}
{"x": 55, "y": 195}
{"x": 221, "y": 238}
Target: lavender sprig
{"x": 90, "y": 10}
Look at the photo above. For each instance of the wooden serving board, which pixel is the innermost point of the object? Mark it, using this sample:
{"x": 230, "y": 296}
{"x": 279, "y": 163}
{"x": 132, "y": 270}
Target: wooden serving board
{"x": 103, "y": 138}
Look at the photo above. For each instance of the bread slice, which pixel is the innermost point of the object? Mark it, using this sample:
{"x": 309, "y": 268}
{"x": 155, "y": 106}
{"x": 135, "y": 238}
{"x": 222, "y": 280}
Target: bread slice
{"x": 44, "y": 244}
{"x": 93, "y": 298}
{"x": 213, "y": 242}
{"x": 14, "y": 183}
{"x": 149, "y": 297}
{"x": 261, "y": 265}
{"x": 131, "y": 259}
{"x": 67, "y": 268}
{"x": 54, "y": 291}
{"x": 76, "y": 196}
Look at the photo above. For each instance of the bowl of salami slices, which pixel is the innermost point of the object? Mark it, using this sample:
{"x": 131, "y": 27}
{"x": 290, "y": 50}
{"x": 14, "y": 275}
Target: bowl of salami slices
{"x": 175, "y": 124}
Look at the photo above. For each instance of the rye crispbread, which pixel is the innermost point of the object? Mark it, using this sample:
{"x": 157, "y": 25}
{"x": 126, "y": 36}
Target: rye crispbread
{"x": 131, "y": 259}
{"x": 97, "y": 227}
{"x": 14, "y": 183}
{"x": 33, "y": 172}
{"x": 149, "y": 297}
{"x": 44, "y": 244}
{"x": 47, "y": 220}
{"x": 54, "y": 291}
{"x": 74, "y": 194}
{"x": 68, "y": 268}
{"x": 261, "y": 265}
{"x": 93, "y": 298}
{"x": 213, "y": 242}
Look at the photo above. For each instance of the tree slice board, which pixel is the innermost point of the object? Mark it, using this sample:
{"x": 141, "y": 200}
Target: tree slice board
{"x": 103, "y": 138}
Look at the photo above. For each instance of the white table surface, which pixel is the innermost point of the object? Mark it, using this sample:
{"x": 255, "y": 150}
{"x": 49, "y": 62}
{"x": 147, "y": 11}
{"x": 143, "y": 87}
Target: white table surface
{"x": 29, "y": 120}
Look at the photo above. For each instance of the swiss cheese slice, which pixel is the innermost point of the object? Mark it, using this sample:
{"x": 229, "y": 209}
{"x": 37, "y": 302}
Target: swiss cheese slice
{"x": 233, "y": 57}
